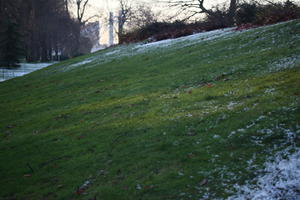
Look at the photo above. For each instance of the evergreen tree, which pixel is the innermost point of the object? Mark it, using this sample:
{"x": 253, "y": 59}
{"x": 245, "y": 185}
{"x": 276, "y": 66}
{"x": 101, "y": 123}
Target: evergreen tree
{"x": 10, "y": 33}
{"x": 11, "y": 48}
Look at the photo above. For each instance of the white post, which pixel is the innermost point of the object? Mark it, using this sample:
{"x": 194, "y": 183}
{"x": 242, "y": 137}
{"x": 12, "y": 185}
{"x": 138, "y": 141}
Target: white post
{"x": 111, "y": 29}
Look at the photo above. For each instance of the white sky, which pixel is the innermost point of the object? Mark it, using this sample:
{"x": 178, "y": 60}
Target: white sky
{"x": 113, "y": 4}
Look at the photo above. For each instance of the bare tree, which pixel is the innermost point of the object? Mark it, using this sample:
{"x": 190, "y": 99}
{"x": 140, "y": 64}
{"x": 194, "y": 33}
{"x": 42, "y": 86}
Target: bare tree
{"x": 81, "y": 7}
{"x": 195, "y": 7}
{"x": 125, "y": 14}
{"x": 142, "y": 16}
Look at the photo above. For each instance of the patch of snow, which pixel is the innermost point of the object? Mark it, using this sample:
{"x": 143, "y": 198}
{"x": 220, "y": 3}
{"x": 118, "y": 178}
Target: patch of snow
{"x": 260, "y": 118}
{"x": 97, "y": 48}
{"x": 25, "y": 68}
{"x": 101, "y": 58}
{"x": 189, "y": 115}
{"x": 285, "y": 63}
{"x": 231, "y": 105}
{"x": 112, "y": 52}
{"x": 198, "y": 37}
{"x": 180, "y": 173}
{"x": 82, "y": 63}
{"x": 157, "y": 44}
{"x": 279, "y": 179}
{"x": 216, "y": 136}
{"x": 269, "y": 91}
{"x": 138, "y": 186}
{"x": 250, "y": 125}
{"x": 265, "y": 131}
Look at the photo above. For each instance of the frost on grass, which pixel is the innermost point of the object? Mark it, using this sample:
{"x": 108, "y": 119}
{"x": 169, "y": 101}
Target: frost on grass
{"x": 122, "y": 51}
{"x": 81, "y": 63}
{"x": 191, "y": 39}
{"x": 101, "y": 58}
{"x": 131, "y": 50}
{"x": 279, "y": 180}
{"x": 231, "y": 105}
{"x": 285, "y": 63}
{"x": 95, "y": 58}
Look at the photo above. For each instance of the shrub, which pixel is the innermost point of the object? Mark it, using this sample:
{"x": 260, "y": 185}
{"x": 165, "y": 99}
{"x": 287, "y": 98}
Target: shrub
{"x": 160, "y": 31}
{"x": 277, "y": 12}
{"x": 246, "y": 13}
{"x": 219, "y": 19}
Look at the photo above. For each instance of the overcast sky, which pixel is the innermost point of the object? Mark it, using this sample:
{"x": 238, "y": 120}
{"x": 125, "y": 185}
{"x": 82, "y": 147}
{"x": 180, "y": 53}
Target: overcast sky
{"x": 113, "y": 4}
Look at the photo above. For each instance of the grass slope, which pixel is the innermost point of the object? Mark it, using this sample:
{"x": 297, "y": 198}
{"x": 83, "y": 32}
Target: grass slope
{"x": 180, "y": 121}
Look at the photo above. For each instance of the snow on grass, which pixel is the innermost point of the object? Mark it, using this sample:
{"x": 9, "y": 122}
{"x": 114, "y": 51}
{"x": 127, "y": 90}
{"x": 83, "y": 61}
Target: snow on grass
{"x": 84, "y": 62}
{"x": 131, "y": 50}
{"x": 101, "y": 58}
{"x": 231, "y": 105}
{"x": 25, "y": 68}
{"x": 191, "y": 39}
{"x": 285, "y": 63}
{"x": 278, "y": 180}
{"x": 122, "y": 51}
{"x": 280, "y": 175}
{"x": 95, "y": 59}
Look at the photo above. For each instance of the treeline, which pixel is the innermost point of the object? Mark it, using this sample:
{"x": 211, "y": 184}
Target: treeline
{"x": 244, "y": 15}
{"x": 42, "y": 30}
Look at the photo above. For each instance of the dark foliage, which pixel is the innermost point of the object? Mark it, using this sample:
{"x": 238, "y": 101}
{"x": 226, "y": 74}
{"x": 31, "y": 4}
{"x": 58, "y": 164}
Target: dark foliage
{"x": 266, "y": 14}
{"x": 11, "y": 45}
{"x": 159, "y": 31}
{"x": 277, "y": 12}
{"x": 246, "y": 13}
{"x": 219, "y": 19}
{"x": 46, "y": 27}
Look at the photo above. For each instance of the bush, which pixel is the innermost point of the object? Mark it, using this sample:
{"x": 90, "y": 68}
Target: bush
{"x": 277, "y": 12}
{"x": 219, "y": 19}
{"x": 165, "y": 30}
{"x": 246, "y": 13}
{"x": 160, "y": 31}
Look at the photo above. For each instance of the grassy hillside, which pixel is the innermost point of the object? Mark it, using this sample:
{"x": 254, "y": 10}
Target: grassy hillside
{"x": 192, "y": 118}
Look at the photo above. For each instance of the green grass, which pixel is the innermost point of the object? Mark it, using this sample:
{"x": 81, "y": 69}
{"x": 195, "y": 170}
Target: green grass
{"x": 152, "y": 125}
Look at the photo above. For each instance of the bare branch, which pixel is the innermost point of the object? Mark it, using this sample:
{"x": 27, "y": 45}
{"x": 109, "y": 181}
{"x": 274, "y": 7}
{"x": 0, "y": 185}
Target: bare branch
{"x": 81, "y": 7}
